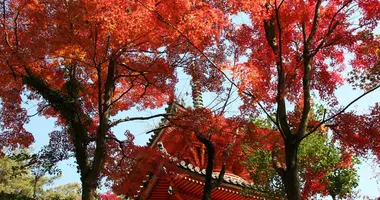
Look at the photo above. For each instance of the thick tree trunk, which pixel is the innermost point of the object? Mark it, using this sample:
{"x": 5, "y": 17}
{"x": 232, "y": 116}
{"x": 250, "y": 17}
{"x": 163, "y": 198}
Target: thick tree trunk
{"x": 291, "y": 177}
{"x": 208, "y": 180}
{"x": 70, "y": 110}
{"x": 206, "y": 194}
{"x": 69, "y": 107}
{"x": 210, "y": 166}
{"x": 88, "y": 191}
{"x": 209, "y": 185}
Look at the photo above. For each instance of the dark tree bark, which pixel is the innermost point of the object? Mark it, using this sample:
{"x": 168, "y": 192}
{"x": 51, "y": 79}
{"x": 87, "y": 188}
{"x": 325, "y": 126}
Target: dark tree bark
{"x": 291, "y": 138}
{"x": 88, "y": 191}
{"x": 35, "y": 181}
{"x": 291, "y": 177}
{"x": 209, "y": 185}
{"x": 289, "y": 174}
{"x": 69, "y": 107}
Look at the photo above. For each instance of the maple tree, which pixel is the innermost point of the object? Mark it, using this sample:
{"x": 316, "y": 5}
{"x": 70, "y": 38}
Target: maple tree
{"x": 85, "y": 62}
{"x": 296, "y": 50}
{"x": 362, "y": 130}
{"x": 366, "y": 61}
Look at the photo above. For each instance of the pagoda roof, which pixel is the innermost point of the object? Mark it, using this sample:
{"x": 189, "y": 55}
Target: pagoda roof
{"x": 172, "y": 108}
{"x": 227, "y": 178}
{"x": 191, "y": 188}
{"x": 191, "y": 178}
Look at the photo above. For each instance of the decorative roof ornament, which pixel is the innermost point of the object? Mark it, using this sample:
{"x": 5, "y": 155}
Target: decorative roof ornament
{"x": 196, "y": 88}
{"x": 170, "y": 190}
{"x": 160, "y": 147}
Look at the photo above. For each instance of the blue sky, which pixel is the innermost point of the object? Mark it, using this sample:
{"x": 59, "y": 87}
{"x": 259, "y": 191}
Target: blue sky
{"x": 367, "y": 170}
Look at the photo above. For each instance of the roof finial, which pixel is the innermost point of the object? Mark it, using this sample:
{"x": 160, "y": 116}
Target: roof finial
{"x": 196, "y": 88}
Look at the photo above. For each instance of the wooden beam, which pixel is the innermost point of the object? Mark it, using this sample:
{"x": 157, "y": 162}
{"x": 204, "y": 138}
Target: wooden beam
{"x": 175, "y": 190}
{"x": 178, "y": 196}
{"x": 203, "y": 149}
{"x": 196, "y": 156}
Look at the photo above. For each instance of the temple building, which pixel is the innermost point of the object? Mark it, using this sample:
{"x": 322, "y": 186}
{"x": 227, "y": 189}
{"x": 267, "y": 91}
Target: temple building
{"x": 190, "y": 171}
{"x": 183, "y": 178}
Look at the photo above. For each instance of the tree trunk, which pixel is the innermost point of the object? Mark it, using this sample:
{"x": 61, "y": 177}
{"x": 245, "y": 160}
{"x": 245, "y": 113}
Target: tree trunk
{"x": 70, "y": 109}
{"x": 35, "y": 186}
{"x": 209, "y": 185}
{"x": 206, "y": 194}
{"x": 210, "y": 166}
{"x": 88, "y": 191}
{"x": 291, "y": 177}
{"x": 207, "y": 189}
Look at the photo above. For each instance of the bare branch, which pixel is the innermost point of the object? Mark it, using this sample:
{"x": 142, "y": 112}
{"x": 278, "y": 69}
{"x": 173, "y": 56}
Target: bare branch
{"x": 39, "y": 111}
{"x": 128, "y": 119}
{"x": 281, "y": 117}
{"x": 270, "y": 118}
{"x": 315, "y": 24}
{"x": 121, "y": 96}
{"x": 339, "y": 112}
{"x": 120, "y": 146}
{"x": 226, "y": 101}
{"x": 158, "y": 129}
{"x": 206, "y": 57}
{"x": 229, "y": 103}
{"x": 220, "y": 177}
{"x": 279, "y": 6}
{"x": 332, "y": 26}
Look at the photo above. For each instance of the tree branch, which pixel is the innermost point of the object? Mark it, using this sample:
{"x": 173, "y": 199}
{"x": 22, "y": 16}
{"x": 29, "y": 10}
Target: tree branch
{"x": 206, "y": 57}
{"x": 315, "y": 23}
{"x": 104, "y": 114}
{"x": 120, "y": 146}
{"x": 116, "y": 122}
{"x": 70, "y": 110}
{"x": 226, "y": 101}
{"x": 158, "y": 129}
{"x": 281, "y": 117}
{"x": 332, "y": 26}
{"x": 40, "y": 110}
{"x": 339, "y": 112}
{"x": 220, "y": 177}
